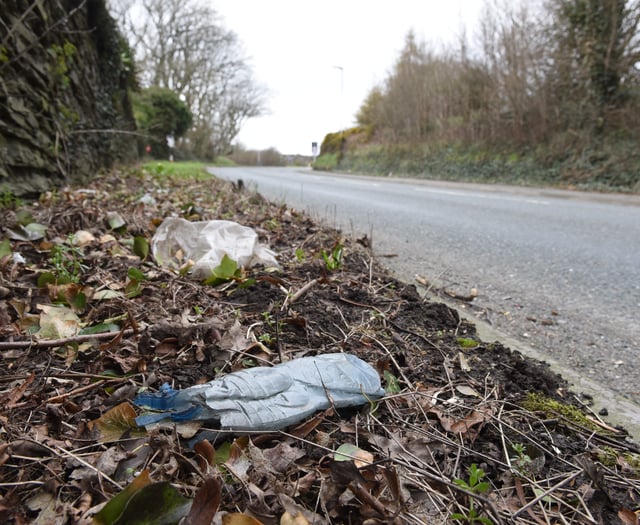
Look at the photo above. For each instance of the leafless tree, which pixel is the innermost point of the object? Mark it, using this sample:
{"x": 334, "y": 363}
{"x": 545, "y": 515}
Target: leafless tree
{"x": 182, "y": 45}
{"x": 540, "y": 73}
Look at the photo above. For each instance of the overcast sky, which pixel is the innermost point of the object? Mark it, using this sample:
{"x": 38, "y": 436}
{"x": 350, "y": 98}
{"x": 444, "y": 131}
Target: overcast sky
{"x": 319, "y": 60}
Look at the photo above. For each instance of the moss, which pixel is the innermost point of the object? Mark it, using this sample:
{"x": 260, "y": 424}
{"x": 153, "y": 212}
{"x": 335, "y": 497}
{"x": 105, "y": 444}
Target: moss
{"x": 537, "y": 402}
{"x": 467, "y": 342}
{"x": 611, "y": 458}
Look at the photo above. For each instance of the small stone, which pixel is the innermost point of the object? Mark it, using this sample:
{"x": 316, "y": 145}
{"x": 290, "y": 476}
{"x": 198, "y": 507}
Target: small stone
{"x": 603, "y": 412}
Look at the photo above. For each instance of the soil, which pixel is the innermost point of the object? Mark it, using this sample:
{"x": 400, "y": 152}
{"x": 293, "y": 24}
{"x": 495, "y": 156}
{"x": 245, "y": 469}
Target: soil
{"x": 468, "y": 431}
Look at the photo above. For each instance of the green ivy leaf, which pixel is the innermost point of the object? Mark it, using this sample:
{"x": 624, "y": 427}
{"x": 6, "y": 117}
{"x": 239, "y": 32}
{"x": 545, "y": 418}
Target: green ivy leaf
{"x": 5, "y": 248}
{"x": 141, "y": 247}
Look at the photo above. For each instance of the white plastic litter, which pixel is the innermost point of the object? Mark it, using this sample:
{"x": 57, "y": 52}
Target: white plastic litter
{"x": 268, "y": 398}
{"x": 206, "y": 243}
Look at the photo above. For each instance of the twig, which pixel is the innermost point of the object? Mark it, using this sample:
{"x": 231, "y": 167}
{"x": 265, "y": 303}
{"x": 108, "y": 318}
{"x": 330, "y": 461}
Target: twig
{"x": 302, "y": 291}
{"x": 547, "y": 492}
{"x": 86, "y": 464}
{"x": 49, "y": 343}
{"x": 77, "y": 391}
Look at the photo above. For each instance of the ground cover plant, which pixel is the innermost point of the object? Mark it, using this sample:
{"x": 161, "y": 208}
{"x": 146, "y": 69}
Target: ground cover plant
{"x": 468, "y": 431}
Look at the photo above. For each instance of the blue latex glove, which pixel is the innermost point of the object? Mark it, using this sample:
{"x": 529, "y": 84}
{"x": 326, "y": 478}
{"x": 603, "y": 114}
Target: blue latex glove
{"x": 268, "y": 398}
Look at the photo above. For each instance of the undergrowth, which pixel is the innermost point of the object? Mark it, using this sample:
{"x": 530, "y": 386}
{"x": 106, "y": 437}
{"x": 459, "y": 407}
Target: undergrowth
{"x": 608, "y": 166}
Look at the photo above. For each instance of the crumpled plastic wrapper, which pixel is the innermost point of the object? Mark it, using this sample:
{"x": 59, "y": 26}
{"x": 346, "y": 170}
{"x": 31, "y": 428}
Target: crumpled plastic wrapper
{"x": 206, "y": 243}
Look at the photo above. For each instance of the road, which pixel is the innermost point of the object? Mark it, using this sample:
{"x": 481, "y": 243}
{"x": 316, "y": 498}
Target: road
{"x": 557, "y": 271}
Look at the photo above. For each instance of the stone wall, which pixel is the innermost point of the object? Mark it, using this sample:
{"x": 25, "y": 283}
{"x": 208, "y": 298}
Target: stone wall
{"x": 64, "y": 102}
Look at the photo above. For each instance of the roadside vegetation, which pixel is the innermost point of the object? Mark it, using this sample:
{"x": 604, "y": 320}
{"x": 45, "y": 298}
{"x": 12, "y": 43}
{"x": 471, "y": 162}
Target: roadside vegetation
{"x": 546, "y": 94}
{"x": 467, "y": 432}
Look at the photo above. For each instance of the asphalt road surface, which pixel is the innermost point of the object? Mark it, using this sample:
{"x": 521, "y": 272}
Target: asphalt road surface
{"x": 557, "y": 271}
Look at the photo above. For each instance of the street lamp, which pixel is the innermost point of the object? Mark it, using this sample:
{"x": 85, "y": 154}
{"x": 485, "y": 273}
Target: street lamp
{"x": 341, "y": 93}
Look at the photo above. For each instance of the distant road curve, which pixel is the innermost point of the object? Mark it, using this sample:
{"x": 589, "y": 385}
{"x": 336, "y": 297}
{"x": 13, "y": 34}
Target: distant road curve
{"x": 556, "y": 269}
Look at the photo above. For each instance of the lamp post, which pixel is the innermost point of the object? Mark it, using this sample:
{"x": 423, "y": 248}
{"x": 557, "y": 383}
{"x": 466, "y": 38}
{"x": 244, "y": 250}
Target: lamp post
{"x": 341, "y": 69}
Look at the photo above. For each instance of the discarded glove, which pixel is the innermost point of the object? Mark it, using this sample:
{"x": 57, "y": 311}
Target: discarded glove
{"x": 268, "y": 398}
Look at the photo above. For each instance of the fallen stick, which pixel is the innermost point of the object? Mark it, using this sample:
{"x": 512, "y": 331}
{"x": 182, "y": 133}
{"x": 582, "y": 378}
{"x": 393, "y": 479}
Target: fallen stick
{"x": 302, "y": 291}
{"x": 48, "y": 343}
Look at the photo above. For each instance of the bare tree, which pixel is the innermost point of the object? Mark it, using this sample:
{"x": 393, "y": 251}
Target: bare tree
{"x": 594, "y": 48}
{"x": 182, "y": 46}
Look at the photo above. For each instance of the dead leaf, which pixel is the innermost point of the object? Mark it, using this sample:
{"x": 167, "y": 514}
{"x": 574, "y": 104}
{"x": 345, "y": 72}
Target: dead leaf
{"x": 206, "y": 503}
{"x": 234, "y": 338}
{"x": 628, "y": 517}
{"x": 464, "y": 426}
{"x": 57, "y": 322}
{"x": 115, "y": 422}
{"x": 82, "y": 238}
{"x": 9, "y": 399}
{"x": 344, "y": 472}
{"x": 45, "y": 503}
{"x": 347, "y": 452}
{"x": 466, "y": 390}
{"x": 288, "y": 519}
{"x": 282, "y": 456}
{"x": 206, "y": 450}
{"x": 305, "y": 428}
{"x": 294, "y": 509}
{"x": 464, "y": 362}
{"x": 236, "y": 518}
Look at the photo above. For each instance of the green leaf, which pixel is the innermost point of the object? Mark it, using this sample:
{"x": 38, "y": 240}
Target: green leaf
{"x": 24, "y": 217}
{"x": 482, "y": 487}
{"x": 100, "y": 329}
{"x": 227, "y": 267}
{"x": 135, "y": 274}
{"x": 141, "y": 247}
{"x": 223, "y": 453}
{"x": 349, "y": 452}
{"x": 115, "y": 507}
{"x": 247, "y": 283}
{"x": 155, "y": 504}
{"x": 393, "y": 385}
{"x": 225, "y": 271}
{"x": 133, "y": 289}
{"x": 46, "y": 278}
{"x": 5, "y": 248}
{"x": 78, "y": 301}
{"x": 462, "y": 483}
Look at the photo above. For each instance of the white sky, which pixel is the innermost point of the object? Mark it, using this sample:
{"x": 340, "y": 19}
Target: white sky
{"x": 294, "y": 46}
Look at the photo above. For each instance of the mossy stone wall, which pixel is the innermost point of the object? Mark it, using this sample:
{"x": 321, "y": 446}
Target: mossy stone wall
{"x": 63, "y": 94}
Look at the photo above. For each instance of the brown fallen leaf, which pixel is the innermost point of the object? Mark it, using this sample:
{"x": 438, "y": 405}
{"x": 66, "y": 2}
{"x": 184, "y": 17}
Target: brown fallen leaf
{"x": 206, "y": 503}
{"x": 628, "y": 517}
{"x": 237, "y": 518}
{"x": 289, "y": 519}
{"x": 10, "y": 399}
{"x": 464, "y": 426}
{"x": 115, "y": 422}
{"x": 205, "y": 450}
